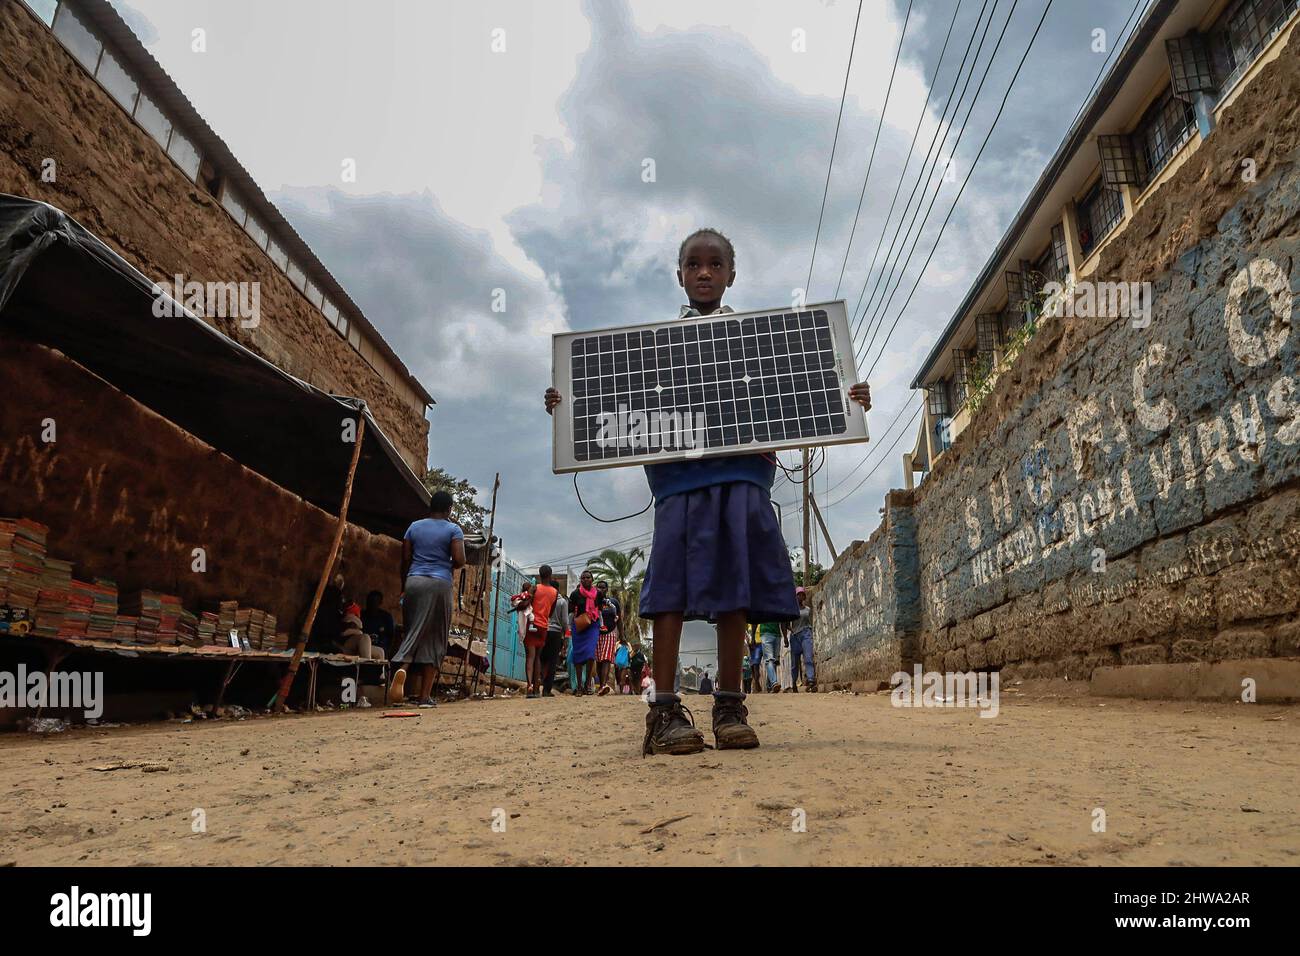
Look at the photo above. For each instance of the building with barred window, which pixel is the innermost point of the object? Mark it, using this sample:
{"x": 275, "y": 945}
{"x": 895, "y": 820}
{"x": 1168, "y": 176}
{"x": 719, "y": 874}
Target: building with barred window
{"x": 1182, "y": 68}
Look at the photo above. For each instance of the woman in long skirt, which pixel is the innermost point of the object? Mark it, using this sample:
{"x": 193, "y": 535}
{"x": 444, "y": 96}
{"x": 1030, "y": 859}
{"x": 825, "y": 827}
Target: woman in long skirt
{"x": 432, "y": 549}
{"x": 585, "y": 600}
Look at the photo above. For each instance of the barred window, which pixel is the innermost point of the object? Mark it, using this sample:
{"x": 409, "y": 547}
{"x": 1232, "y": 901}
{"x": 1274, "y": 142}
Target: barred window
{"x": 1100, "y": 211}
{"x": 1161, "y": 132}
{"x": 937, "y": 395}
{"x": 963, "y": 365}
{"x": 988, "y": 335}
{"x": 1243, "y": 31}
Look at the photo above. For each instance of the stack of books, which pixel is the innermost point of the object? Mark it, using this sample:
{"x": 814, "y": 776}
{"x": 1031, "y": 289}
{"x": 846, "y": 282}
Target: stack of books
{"x": 124, "y": 628}
{"x": 256, "y": 621}
{"x": 22, "y": 562}
{"x": 81, "y": 602}
{"x": 103, "y": 614}
{"x": 55, "y": 587}
{"x": 242, "y": 617}
{"x": 207, "y": 628}
{"x": 146, "y": 607}
{"x": 226, "y": 611}
{"x": 271, "y": 640}
{"x": 187, "y": 629}
{"x": 170, "y": 610}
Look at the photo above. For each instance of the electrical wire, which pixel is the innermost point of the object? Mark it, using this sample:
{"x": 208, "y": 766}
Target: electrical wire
{"x": 834, "y": 142}
{"x": 974, "y": 164}
{"x": 876, "y": 465}
{"x": 880, "y": 124}
{"x": 898, "y": 270}
{"x": 952, "y": 102}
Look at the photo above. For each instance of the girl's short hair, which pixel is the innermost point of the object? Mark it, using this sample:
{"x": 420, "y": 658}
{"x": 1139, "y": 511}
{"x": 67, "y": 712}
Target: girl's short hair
{"x": 440, "y": 501}
{"x": 707, "y": 231}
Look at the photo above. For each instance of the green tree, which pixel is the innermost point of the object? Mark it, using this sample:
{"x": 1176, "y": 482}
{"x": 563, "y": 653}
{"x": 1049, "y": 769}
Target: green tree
{"x": 619, "y": 568}
{"x": 815, "y": 572}
{"x": 469, "y": 514}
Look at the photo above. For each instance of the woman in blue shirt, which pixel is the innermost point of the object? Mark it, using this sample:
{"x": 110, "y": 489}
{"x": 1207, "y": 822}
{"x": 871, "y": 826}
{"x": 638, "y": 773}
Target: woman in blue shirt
{"x": 432, "y": 549}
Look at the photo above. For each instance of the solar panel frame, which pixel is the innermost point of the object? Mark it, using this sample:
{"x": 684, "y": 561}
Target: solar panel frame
{"x": 724, "y": 381}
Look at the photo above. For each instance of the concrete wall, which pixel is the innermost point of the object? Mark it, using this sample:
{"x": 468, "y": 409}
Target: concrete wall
{"x": 112, "y": 177}
{"x": 867, "y": 607}
{"x": 1130, "y": 494}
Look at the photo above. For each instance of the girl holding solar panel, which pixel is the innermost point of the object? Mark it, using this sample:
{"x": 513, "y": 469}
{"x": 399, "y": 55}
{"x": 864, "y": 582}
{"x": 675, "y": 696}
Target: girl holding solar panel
{"x": 718, "y": 552}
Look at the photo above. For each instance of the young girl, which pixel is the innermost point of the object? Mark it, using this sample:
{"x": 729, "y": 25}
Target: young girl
{"x": 718, "y": 552}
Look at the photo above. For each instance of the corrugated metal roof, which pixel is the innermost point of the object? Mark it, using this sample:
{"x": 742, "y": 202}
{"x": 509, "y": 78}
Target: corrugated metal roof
{"x": 109, "y": 24}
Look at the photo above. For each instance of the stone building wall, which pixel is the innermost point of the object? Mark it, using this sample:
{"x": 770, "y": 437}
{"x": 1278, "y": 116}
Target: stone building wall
{"x": 114, "y": 179}
{"x": 1130, "y": 492}
{"x": 867, "y": 607}
{"x": 127, "y": 496}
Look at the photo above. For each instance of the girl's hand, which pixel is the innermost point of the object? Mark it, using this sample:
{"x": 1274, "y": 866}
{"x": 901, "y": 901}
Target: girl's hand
{"x": 860, "y": 393}
{"x": 552, "y": 398}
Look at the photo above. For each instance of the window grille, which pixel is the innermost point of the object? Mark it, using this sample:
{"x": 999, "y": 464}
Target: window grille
{"x": 1163, "y": 129}
{"x": 937, "y": 396}
{"x": 1190, "y": 68}
{"x": 1100, "y": 211}
{"x": 1240, "y": 35}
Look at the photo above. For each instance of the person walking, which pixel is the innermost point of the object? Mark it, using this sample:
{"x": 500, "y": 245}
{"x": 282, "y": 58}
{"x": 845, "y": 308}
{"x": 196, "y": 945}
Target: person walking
{"x": 584, "y": 602}
{"x": 544, "y": 594}
{"x": 555, "y": 630}
{"x": 801, "y": 645}
{"x": 432, "y": 549}
{"x": 769, "y": 632}
{"x": 606, "y": 649}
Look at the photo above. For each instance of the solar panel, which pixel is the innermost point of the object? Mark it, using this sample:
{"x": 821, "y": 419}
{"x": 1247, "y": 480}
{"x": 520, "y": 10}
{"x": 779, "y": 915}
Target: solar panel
{"x": 705, "y": 386}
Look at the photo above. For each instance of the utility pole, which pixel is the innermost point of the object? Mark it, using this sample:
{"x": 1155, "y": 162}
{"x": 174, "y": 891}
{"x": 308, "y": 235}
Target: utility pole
{"x": 483, "y": 584}
{"x": 807, "y": 517}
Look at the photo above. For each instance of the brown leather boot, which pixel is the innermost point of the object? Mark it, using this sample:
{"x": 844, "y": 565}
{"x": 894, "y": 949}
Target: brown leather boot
{"x": 730, "y": 729}
{"x": 670, "y": 728}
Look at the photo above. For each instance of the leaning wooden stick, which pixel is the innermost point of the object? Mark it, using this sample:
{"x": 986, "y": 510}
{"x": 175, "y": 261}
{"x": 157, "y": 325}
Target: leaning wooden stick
{"x": 282, "y": 695}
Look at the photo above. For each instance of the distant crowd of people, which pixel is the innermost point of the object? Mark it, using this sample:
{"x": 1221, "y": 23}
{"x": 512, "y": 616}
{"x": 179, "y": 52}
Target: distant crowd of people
{"x": 581, "y": 634}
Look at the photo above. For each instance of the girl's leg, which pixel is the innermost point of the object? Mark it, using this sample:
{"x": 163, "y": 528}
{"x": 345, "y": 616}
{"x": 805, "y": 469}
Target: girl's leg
{"x": 731, "y": 642}
{"x": 667, "y": 640}
{"x": 731, "y": 730}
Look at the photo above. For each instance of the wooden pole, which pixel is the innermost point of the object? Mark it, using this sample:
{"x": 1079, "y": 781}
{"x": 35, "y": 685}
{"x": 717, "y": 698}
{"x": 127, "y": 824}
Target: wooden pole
{"x": 492, "y": 658}
{"x": 282, "y": 695}
{"x": 487, "y": 558}
{"x": 807, "y": 519}
{"x": 482, "y": 587}
{"x": 817, "y": 512}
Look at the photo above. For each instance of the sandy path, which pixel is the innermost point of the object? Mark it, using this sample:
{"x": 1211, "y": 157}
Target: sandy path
{"x": 878, "y": 785}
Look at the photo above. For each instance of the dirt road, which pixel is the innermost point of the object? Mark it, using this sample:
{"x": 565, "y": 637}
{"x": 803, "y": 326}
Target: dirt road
{"x": 1180, "y": 783}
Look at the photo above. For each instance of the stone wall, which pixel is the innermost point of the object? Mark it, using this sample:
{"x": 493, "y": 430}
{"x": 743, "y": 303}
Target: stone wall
{"x": 867, "y": 607}
{"x": 1130, "y": 492}
{"x": 114, "y": 179}
{"x": 128, "y": 496}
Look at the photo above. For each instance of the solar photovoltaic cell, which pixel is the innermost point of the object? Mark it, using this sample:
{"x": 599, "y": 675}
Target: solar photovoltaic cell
{"x": 719, "y": 384}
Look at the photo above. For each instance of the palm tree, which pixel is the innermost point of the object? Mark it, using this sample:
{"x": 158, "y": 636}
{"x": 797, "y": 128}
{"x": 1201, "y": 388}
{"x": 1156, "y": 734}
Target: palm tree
{"x": 619, "y": 569}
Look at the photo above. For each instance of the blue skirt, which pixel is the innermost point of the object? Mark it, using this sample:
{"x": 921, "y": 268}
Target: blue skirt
{"x": 584, "y": 644}
{"x": 719, "y": 549}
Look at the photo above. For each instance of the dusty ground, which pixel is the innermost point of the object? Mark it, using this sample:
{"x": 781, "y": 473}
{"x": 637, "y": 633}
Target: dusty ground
{"x": 1180, "y": 783}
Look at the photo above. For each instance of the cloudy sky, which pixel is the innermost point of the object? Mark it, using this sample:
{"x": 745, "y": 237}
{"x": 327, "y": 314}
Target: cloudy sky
{"x": 521, "y": 169}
